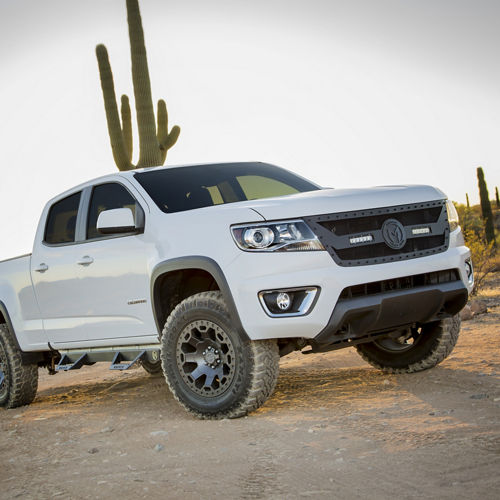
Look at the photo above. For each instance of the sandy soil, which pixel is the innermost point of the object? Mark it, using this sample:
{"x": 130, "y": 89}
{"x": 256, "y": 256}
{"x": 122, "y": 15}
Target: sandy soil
{"x": 335, "y": 428}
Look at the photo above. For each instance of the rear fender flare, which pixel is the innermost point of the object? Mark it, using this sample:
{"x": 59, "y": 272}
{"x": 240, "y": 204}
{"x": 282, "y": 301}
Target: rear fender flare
{"x": 26, "y": 357}
{"x": 5, "y": 314}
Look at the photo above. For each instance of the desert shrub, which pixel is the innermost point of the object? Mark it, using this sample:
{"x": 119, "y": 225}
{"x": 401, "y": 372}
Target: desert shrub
{"x": 470, "y": 218}
{"x": 484, "y": 258}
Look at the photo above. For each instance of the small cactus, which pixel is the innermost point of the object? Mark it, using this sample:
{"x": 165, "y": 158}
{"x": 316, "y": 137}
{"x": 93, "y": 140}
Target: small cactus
{"x": 486, "y": 211}
{"x": 154, "y": 138}
{"x": 467, "y": 199}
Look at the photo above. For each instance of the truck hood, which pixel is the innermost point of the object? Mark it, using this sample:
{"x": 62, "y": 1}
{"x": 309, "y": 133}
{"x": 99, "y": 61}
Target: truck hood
{"x": 326, "y": 201}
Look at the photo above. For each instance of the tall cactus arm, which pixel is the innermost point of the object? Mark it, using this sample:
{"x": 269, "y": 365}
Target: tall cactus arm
{"x": 149, "y": 149}
{"x": 114, "y": 127}
{"x": 127, "y": 126}
{"x": 154, "y": 139}
{"x": 172, "y": 137}
{"x": 166, "y": 140}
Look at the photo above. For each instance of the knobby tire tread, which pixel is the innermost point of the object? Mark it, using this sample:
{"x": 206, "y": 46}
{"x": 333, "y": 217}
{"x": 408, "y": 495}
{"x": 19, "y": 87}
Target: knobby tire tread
{"x": 445, "y": 340}
{"x": 264, "y": 361}
{"x": 23, "y": 378}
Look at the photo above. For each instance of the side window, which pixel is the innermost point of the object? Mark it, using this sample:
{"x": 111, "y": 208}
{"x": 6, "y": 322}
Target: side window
{"x": 107, "y": 197}
{"x": 61, "y": 221}
{"x": 256, "y": 187}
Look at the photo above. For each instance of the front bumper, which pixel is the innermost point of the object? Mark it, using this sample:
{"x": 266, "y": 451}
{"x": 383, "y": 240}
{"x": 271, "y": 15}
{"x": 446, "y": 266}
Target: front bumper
{"x": 354, "y": 318}
{"x": 251, "y": 273}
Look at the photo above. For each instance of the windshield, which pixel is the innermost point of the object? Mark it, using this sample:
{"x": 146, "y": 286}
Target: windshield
{"x": 186, "y": 188}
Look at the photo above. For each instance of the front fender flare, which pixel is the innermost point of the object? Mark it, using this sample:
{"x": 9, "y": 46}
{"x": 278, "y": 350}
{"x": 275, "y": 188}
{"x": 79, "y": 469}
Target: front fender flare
{"x": 205, "y": 264}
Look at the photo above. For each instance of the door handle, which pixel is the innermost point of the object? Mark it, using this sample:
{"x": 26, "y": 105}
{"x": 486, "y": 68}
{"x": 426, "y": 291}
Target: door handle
{"x": 41, "y": 268}
{"x": 85, "y": 261}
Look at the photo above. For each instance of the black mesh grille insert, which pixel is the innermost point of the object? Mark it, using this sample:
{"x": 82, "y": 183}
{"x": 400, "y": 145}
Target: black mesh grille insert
{"x": 374, "y": 222}
{"x": 358, "y": 238}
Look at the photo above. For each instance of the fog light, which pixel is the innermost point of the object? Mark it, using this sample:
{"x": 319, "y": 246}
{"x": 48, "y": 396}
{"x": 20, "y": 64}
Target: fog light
{"x": 289, "y": 301}
{"x": 283, "y": 301}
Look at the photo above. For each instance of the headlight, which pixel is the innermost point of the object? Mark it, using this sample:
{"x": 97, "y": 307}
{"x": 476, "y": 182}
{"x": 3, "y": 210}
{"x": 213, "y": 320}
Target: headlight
{"x": 452, "y": 215}
{"x": 293, "y": 235}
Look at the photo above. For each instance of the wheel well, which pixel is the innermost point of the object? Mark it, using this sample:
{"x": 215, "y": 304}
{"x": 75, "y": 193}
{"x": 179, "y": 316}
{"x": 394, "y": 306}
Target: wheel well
{"x": 173, "y": 287}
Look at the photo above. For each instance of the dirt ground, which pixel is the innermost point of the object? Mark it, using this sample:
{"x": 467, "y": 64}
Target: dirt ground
{"x": 335, "y": 428}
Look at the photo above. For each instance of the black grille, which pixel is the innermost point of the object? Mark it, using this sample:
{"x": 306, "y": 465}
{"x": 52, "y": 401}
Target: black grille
{"x": 374, "y": 222}
{"x": 336, "y": 230}
{"x": 403, "y": 283}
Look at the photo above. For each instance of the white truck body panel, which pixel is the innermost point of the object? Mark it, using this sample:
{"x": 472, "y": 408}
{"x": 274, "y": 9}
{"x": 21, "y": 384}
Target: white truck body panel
{"x": 343, "y": 200}
{"x": 17, "y": 295}
{"x": 98, "y": 292}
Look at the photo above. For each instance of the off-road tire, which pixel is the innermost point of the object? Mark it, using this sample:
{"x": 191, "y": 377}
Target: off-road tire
{"x": 152, "y": 367}
{"x": 21, "y": 381}
{"x": 255, "y": 364}
{"x": 435, "y": 344}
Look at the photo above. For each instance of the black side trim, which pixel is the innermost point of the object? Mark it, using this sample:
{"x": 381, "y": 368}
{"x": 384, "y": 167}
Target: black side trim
{"x": 205, "y": 264}
{"x": 356, "y": 317}
{"x": 27, "y": 357}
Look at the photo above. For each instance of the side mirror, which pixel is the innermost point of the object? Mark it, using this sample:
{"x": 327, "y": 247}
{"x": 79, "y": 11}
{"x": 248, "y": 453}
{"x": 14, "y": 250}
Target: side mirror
{"x": 116, "y": 221}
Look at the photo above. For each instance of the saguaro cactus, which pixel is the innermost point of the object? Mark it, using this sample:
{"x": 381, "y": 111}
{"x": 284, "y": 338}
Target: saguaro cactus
{"x": 154, "y": 138}
{"x": 485, "y": 206}
{"x": 497, "y": 198}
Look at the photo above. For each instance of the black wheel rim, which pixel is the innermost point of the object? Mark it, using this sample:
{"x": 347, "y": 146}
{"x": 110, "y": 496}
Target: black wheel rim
{"x": 4, "y": 372}
{"x": 205, "y": 358}
{"x": 404, "y": 342}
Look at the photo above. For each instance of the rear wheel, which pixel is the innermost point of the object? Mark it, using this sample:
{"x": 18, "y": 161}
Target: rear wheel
{"x": 18, "y": 382}
{"x": 415, "y": 349}
{"x": 152, "y": 367}
{"x": 211, "y": 370}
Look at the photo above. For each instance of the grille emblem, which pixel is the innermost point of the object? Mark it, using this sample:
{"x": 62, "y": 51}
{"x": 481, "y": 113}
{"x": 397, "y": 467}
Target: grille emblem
{"x": 394, "y": 234}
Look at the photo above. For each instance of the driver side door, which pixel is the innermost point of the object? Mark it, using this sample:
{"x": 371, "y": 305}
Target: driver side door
{"x": 113, "y": 273}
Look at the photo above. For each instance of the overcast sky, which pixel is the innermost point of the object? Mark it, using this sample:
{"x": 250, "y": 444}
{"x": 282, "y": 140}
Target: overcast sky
{"x": 347, "y": 93}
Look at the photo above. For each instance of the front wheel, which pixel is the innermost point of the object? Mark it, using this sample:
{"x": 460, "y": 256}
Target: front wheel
{"x": 211, "y": 370}
{"x": 415, "y": 349}
{"x": 18, "y": 381}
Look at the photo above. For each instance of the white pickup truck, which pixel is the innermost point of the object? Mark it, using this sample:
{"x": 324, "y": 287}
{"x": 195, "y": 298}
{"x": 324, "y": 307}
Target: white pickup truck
{"x": 209, "y": 273}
